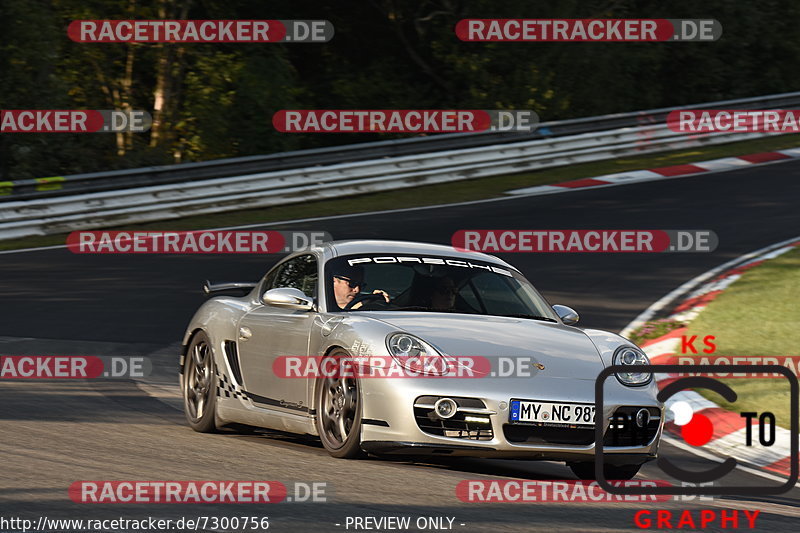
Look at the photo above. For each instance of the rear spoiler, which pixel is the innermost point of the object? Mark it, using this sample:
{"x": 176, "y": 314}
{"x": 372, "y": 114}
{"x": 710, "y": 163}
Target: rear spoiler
{"x": 210, "y": 288}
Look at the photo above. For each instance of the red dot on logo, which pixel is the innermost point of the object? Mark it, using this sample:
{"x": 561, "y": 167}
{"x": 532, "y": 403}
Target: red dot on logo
{"x": 698, "y": 430}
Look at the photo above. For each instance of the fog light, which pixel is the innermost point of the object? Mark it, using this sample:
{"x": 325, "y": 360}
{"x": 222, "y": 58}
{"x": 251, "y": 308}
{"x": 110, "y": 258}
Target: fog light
{"x": 445, "y": 408}
{"x": 642, "y": 418}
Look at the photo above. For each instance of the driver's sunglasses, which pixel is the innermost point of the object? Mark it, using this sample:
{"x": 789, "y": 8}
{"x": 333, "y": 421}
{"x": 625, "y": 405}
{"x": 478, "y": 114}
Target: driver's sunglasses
{"x": 350, "y": 283}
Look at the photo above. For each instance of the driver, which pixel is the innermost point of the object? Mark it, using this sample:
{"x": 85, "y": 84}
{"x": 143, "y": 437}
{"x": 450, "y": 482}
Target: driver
{"x": 347, "y": 284}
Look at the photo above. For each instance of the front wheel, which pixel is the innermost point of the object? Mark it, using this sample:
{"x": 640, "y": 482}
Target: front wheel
{"x": 200, "y": 385}
{"x": 611, "y": 472}
{"x": 338, "y": 404}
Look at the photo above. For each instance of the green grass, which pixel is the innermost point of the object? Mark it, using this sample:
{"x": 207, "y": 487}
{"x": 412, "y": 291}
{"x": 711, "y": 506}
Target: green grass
{"x": 439, "y": 194}
{"x": 757, "y": 315}
{"x": 653, "y": 329}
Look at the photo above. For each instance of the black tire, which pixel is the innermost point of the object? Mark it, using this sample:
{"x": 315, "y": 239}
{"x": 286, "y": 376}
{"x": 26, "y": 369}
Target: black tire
{"x": 338, "y": 407}
{"x": 200, "y": 385}
{"x": 611, "y": 472}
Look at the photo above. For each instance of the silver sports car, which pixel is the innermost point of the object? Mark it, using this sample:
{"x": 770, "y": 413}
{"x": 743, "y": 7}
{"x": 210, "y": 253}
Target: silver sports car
{"x": 408, "y": 348}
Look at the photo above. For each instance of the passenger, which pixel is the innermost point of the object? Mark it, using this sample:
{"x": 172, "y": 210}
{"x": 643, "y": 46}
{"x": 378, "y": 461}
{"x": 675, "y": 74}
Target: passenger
{"x": 436, "y": 294}
{"x": 444, "y": 294}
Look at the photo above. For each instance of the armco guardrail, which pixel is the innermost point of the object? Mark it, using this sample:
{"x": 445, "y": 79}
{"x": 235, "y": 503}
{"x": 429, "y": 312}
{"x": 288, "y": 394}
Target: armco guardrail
{"x": 190, "y": 172}
{"x": 163, "y": 202}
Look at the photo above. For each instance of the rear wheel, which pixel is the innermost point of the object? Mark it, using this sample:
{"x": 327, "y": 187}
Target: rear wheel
{"x": 200, "y": 385}
{"x": 611, "y": 472}
{"x": 338, "y": 405}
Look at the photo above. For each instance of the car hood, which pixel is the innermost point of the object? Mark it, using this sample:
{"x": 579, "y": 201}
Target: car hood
{"x": 564, "y": 351}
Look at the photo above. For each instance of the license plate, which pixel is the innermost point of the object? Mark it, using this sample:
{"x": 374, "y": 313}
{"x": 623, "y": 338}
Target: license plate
{"x": 552, "y": 413}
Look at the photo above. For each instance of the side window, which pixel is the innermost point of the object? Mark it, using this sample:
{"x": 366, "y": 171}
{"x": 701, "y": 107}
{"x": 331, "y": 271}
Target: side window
{"x": 269, "y": 280}
{"x": 299, "y": 273}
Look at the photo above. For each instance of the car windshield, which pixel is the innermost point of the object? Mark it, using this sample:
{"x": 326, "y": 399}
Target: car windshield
{"x": 432, "y": 284}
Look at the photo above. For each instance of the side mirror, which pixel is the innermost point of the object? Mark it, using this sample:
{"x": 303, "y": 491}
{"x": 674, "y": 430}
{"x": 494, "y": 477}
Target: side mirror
{"x": 289, "y": 298}
{"x": 567, "y": 314}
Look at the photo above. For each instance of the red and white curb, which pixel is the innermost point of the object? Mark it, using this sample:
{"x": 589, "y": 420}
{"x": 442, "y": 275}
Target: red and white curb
{"x": 729, "y": 427}
{"x": 653, "y": 174}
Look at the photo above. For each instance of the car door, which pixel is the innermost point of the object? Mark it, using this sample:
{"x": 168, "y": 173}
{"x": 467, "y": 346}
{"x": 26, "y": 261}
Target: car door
{"x": 268, "y": 332}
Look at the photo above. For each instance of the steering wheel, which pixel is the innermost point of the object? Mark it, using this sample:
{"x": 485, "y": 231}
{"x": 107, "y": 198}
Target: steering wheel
{"x": 364, "y": 298}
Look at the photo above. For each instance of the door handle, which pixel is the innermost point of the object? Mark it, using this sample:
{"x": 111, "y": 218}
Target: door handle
{"x": 245, "y": 333}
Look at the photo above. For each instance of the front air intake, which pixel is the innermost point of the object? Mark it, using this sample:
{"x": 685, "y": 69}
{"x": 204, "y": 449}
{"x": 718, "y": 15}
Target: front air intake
{"x": 470, "y": 421}
{"x": 623, "y": 429}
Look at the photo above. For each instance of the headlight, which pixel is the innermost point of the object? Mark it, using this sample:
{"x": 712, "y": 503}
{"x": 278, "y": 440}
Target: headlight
{"x": 626, "y": 355}
{"x": 412, "y": 353}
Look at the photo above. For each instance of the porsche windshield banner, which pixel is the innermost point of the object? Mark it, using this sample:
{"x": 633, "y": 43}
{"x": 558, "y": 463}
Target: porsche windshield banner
{"x": 453, "y": 262}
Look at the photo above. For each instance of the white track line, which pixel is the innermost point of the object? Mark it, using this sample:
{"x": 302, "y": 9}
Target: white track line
{"x": 674, "y": 295}
{"x": 648, "y": 313}
{"x": 561, "y": 190}
{"x": 705, "y": 455}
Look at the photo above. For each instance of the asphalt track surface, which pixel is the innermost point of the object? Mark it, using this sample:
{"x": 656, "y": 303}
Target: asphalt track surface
{"x": 57, "y": 432}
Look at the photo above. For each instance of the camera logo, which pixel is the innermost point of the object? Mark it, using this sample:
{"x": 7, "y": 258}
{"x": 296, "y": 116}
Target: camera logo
{"x": 697, "y": 430}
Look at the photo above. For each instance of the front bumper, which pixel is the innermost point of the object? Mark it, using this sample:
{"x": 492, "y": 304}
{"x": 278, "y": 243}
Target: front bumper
{"x": 390, "y": 426}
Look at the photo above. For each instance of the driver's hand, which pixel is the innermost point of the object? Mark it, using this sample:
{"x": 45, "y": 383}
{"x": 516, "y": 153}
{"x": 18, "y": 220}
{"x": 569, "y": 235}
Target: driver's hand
{"x": 384, "y": 293}
{"x": 376, "y": 291}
